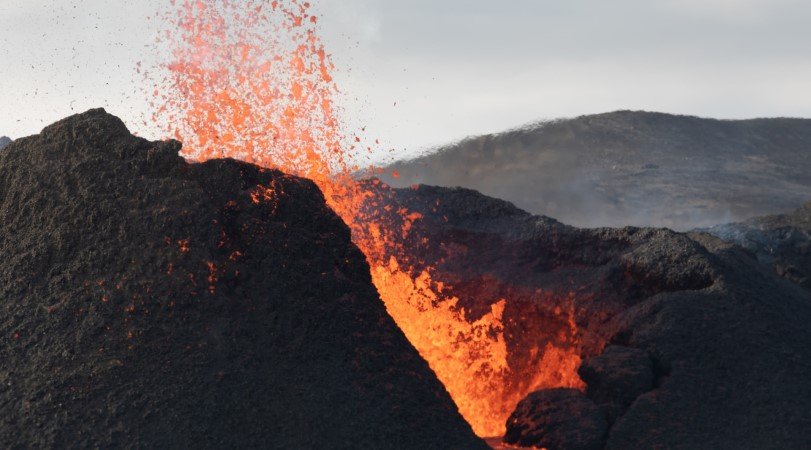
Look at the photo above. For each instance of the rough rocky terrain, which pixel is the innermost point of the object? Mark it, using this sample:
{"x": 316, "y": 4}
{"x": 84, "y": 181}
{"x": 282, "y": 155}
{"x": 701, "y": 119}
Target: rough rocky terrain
{"x": 706, "y": 347}
{"x": 782, "y": 242}
{"x": 632, "y": 168}
{"x": 151, "y": 303}
{"x": 557, "y": 419}
{"x": 4, "y": 141}
{"x": 617, "y": 377}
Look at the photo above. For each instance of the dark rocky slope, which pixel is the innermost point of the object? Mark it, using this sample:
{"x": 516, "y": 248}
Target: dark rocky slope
{"x": 151, "y": 303}
{"x": 632, "y": 168}
{"x": 707, "y": 348}
{"x": 782, "y": 242}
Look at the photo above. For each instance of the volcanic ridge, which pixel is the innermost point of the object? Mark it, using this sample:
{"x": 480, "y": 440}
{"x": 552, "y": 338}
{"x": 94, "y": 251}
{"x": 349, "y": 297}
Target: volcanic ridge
{"x": 152, "y": 303}
{"x": 782, "y": 242}
{"x": 686, "y": 341}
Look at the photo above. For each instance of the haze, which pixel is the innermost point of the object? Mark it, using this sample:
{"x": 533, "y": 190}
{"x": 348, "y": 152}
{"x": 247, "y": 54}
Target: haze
{"x": 421, "y": 73}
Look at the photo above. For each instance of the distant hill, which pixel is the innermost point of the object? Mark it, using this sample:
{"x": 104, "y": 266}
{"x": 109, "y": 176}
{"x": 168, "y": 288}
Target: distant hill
{"x": 632, "y": 168}
{"x": 4, "y": 141}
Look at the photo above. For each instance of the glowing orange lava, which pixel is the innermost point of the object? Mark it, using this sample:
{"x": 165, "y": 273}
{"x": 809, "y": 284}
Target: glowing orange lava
{"x": 251, "y": 80}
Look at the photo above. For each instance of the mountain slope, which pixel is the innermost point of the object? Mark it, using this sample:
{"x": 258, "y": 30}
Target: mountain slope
{"x": 151, "y": 303}
{"x": 632, "y": 168}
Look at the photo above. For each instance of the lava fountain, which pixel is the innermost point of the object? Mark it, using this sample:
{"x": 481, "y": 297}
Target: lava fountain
{"x": 251, "y": 80}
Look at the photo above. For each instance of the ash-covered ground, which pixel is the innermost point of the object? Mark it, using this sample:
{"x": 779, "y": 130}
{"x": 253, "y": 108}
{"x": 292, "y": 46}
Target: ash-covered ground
{"x": 151, "y": 303}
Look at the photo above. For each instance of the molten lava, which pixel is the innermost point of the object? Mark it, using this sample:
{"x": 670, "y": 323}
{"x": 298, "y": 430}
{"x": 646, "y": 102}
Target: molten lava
{"x": 251, "y": 80}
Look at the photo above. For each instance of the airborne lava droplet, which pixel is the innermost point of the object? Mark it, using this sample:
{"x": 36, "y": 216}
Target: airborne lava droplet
{"x": 251, "y": 80}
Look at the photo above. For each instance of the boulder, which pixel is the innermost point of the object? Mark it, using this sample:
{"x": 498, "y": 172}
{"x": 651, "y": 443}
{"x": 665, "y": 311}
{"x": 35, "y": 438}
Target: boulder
{"x": 617, "y": 377}
{"x": 557, "y": 419}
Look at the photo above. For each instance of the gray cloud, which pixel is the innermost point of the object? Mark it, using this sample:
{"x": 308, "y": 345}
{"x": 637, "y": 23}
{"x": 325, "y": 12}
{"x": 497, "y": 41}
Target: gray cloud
{"x": 453, "y": 68}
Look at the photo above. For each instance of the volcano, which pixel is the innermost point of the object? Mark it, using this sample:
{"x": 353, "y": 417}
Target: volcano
{"x": 680, "y": 340}
{"x": 152, "y": 303}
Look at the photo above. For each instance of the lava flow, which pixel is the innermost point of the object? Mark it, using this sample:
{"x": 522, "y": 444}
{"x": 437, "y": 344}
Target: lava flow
{"x": 251, "y": 80}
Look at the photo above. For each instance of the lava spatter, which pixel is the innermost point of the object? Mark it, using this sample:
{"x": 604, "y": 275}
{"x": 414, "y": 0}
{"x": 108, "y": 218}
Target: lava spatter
{"x": 252, "y": 80}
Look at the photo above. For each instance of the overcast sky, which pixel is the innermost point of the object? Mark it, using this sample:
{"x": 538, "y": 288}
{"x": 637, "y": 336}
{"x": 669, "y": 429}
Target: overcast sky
{"x": 420, "y": 73}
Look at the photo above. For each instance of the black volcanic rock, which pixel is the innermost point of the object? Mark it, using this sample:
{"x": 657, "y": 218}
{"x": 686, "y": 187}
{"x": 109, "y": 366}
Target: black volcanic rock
{"x": 151, "y": 303}
{"x": 728, "y": 340}
{"x": 617, "y": 377}
{"x": 632, "y": 168}
{"x": 4, "y": 141}
{"x": 782, "y": 242}
{"x": 557, "y": 419}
